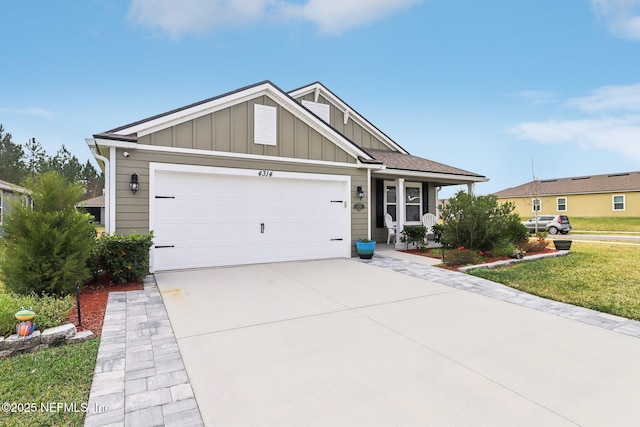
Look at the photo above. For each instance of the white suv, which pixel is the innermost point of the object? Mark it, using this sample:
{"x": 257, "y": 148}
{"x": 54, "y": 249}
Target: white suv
{"x": 554, "y": 224}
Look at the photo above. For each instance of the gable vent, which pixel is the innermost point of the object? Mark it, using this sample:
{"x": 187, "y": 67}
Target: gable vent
{"x": 264, "y": 124}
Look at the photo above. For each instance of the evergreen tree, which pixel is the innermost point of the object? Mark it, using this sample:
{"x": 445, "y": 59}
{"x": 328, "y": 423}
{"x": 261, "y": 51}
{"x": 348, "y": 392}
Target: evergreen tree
{"x": 12, "y": 167}
{"x": 36, "y": 157}
{"x": 47, "y": 246}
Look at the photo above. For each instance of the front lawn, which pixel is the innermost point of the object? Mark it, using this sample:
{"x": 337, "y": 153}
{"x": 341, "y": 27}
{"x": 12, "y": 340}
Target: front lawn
{"x": 622, "y": 224}
{"x": 602, "y": 277}
{"x": 49, "y": 387}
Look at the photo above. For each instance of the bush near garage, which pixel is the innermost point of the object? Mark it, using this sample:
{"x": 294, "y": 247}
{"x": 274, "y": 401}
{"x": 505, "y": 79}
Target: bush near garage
{"x": 47, "y": 242}
{"x": 121, "y": 258}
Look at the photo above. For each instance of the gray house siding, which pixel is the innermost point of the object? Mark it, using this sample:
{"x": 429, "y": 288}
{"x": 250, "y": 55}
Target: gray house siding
{"x": 355, "y": 132}
{"x": 231, "y": 130}
{"x": 132, "y": 210}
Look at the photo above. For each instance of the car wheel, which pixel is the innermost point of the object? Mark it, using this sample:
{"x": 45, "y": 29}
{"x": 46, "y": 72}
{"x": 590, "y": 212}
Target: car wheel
{"x": 553, "y": 230}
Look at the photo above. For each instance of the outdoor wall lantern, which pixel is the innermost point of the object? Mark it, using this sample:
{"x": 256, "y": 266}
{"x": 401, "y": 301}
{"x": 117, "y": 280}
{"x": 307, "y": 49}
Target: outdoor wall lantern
{"x": 134, "y": 185}
{"x": 360, "y": 192}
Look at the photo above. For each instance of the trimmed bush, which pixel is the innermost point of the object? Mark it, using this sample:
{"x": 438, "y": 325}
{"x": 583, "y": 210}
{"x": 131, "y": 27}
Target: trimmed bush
{"x": 461, "y": 256}
{"x": 47, "y": 245}
{"x": 122, "y": 258}
{"x": 414, "y": 234}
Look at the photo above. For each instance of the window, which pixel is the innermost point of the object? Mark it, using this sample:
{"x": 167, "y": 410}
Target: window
{"x": 264, "y": 124}
{"x": 413, "y": 202}
{"x": 618, "y": 202}
{"x": 561, "y": 203}
{"x": 390, "y": 200}
{"x": 536, "y": 205}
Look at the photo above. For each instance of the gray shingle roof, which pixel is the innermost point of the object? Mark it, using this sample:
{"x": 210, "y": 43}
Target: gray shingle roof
{"x": 396, "y": 160}
{"x": 608, "y": 183}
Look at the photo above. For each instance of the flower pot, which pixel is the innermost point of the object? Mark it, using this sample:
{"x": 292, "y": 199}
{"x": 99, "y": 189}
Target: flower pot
{"x": 562, "y": 245}
{"x": 365, "y": 249}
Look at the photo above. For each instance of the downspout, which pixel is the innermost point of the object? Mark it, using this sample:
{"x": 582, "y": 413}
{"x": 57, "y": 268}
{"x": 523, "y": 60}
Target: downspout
{"x": 369, "y": 186}
{"x": 107, "y": 185}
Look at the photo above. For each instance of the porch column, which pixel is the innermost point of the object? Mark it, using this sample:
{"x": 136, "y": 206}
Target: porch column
{"x": 471, "y": 187}
{"x": 400, "y": 211}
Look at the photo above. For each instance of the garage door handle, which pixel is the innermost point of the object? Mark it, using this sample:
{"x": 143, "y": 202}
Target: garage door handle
{"x": 333, "y": 240}
{"x": 262, "y": 228}
{"x": 164, "y": 246}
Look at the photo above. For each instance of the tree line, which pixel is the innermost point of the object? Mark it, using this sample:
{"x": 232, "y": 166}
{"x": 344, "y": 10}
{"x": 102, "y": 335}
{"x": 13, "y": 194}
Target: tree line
{"x": 18, "y": 162}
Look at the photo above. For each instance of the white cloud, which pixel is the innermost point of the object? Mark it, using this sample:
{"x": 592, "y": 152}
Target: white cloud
{"x": 200, "y": 16}
{"x": 339, "y": 16}
{"x": 29, "y": 111}
{"x": 622, "y": 16}
{"x": 611, "y": 122}
{"x": 609, "y": 99}
{"x": 620, "y": 135}
{"x": 195, "y": 16}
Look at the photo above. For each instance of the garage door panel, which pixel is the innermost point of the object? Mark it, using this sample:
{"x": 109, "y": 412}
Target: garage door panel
{"x": 216, "y": 219}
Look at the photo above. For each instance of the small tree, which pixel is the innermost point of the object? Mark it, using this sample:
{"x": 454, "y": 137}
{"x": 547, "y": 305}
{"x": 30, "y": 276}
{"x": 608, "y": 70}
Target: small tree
{"x": 480, "y": 223}
{"x": 47, "y": 245}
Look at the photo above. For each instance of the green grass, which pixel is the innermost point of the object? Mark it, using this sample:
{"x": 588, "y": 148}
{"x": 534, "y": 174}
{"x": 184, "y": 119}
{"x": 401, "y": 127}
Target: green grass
{"x": 624, "y": 224}
{"x": 48, "y": 377}
{"x": 602, "y": 277}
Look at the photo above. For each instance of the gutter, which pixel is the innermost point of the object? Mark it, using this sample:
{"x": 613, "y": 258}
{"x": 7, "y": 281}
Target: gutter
{"x": 107, "y": 184}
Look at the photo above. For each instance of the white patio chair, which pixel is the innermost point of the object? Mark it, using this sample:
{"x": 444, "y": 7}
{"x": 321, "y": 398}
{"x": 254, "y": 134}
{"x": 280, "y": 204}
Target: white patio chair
{"x": 391, "y": 229}
{"x": 429, "y": 220}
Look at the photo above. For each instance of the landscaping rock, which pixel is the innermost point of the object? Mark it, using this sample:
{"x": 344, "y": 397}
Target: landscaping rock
{"x": 81, "y": 336}
{"x": 15, "y": 342}
{"x": 58, "y": 334}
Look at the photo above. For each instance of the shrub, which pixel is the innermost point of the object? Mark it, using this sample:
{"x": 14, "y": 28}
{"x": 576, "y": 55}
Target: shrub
{"x": 47, "y": 245}
{"x": 50, "y": 311}
{"x": 505, "y": 250}
{"x": 122, "y": 258}
{"x": 414, "y": 234}
{"x": 535, "y": 245}
{"x": 480, "y": 222}
{"x": 461, "y": 256}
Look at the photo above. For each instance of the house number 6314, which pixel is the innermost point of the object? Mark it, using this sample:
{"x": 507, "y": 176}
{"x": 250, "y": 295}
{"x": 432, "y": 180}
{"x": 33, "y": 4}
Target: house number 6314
{"x": 265, "y": 173}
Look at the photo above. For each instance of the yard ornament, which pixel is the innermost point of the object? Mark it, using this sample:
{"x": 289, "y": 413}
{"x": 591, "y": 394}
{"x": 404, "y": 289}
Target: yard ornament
{"x": 26, "y": 326}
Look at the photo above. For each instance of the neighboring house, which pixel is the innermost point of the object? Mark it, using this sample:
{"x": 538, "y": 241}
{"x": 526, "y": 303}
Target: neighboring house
{"x": 611, "y": 195}
{"x": 95, "y": 207}
{"x": 261, "y": 175}
{"x": 8, "y": 192}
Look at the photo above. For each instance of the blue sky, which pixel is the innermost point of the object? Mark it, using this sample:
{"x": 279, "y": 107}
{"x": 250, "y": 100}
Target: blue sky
{"x": 497, "y": 87}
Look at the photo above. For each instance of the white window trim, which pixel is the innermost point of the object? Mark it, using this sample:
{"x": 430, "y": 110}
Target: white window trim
{"x": 403, "y": 198}
{"x": 533, "y": 205}
{"x": 566, "y": 204}
{"x": 417, "y": 185}
{"x": 613, "y": 203}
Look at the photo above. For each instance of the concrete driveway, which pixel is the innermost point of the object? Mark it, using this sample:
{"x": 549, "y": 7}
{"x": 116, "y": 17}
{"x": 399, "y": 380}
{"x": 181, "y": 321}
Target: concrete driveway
{"x": 339, "y": 342}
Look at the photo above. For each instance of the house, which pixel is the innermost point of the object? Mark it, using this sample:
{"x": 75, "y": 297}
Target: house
{"x": 613, "y": 195}
{"x": 8, "y": 192}
{"x": 261, "y": 175}
{"x": 95, "y": 207}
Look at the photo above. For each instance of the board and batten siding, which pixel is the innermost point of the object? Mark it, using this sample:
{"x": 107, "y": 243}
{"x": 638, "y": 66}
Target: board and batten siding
{"x": 132, "y": 210}
{"x": 231, "y": 130}
{"x": 351, "y": 130}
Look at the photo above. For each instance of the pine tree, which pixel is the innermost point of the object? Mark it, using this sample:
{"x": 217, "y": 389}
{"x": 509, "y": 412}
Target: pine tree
{"x": 12, "y": 167}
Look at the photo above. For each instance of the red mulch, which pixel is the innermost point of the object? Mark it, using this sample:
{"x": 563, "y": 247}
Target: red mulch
{"x": 93, "y": 304}
{"x": 485, "y": 260}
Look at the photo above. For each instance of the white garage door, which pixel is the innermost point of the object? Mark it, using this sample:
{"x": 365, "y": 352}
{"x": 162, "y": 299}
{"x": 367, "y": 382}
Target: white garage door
{"x": 220, "y": 216}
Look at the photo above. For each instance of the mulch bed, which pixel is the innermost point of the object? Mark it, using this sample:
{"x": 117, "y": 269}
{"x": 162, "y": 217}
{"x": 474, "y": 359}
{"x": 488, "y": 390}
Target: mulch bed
{"x": 93, "y": 304}
{"x": 485, "y": 260}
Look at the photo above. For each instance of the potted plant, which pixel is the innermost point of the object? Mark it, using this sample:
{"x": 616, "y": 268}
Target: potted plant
{"x": 562, "y": 245}
{"x": 365, "y": 248}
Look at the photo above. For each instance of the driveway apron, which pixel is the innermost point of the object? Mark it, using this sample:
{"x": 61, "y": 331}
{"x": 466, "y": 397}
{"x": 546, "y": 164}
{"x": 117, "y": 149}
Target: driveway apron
{"x": 340, "y": 342}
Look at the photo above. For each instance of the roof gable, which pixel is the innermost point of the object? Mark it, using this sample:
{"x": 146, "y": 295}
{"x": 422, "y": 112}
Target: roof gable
{"x": 348, "y": 113}
{"x": 606, "y": 183}
{"x": 134, "y": 131}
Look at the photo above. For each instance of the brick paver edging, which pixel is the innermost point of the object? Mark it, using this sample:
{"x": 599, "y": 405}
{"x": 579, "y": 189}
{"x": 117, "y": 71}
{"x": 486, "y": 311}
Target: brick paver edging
{"x": 501, "y": 292}
{"x": 139, "y": 378}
